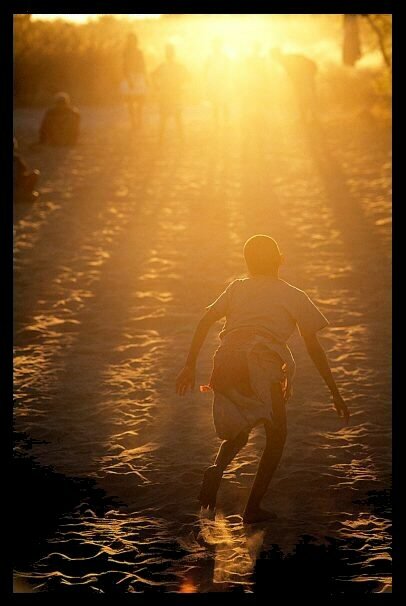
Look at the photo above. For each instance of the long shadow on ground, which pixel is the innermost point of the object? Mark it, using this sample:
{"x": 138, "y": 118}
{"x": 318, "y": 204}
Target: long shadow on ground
{"x": 41, "y": 497}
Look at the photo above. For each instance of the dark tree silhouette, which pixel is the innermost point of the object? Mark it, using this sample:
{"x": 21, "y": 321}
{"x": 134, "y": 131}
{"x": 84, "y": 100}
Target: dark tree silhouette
{"x": 380, "y": 24}
{"x": 351, "y": 40}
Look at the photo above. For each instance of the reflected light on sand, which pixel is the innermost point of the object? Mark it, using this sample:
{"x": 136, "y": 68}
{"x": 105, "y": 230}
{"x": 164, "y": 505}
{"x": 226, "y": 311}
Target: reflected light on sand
{"x": 236, "y": 548}
{"x": 188, "y": 587}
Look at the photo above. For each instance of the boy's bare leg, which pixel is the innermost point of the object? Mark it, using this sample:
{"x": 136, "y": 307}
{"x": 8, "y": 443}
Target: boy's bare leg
{"x": 275, "y": 441}
{"x": 212, "y": 476}
{"x": 229, "y": 449}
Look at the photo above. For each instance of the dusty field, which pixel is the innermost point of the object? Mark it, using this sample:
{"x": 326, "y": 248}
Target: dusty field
{"x": 126, "y": 245}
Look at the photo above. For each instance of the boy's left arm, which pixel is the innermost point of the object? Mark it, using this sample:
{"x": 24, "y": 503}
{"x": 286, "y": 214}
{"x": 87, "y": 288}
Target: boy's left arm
{"x": 186, "y": 377}
{"x": 319, "y": 359}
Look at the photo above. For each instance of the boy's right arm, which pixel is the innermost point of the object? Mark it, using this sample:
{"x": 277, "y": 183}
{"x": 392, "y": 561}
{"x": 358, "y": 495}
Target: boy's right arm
{"x": 186, "y": 377}
{"x": 319, "y": 359}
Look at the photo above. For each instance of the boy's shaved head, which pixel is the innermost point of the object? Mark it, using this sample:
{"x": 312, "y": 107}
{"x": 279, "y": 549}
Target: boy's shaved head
{"x": 262, "y": 255}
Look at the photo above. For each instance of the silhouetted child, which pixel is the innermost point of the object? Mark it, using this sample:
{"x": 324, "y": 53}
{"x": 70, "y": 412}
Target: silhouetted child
{"x": 24, "y": 178}
{"x": 253, "y": 368}
{"x": 302, "y": 73}
{"x": 170, "y": 78}
{"x": 60, "y": 125}
{"x": 134, "y": 86}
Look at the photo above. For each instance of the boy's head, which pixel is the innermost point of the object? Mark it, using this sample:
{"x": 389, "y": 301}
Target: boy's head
{"x": 262, "y": 255}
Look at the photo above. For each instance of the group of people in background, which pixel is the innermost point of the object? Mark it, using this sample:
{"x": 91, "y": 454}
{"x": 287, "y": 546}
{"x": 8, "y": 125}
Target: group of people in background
{"x": 169, "y": 79}
{"x": 60, "y": 125}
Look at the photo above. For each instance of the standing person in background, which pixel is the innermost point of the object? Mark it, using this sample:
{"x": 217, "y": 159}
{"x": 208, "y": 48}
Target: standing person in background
{"x": 134, "y": 85}
{"x": 170, "y": 78}
{"x": 302, "y": 73}
{"x": 60, "y": 125}
{"x": 218, "y": 82}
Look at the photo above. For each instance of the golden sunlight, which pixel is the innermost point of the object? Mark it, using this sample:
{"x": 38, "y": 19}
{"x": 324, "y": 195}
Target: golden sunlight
{"x": 201, "y": 206}
{"x": 188, "y": 587}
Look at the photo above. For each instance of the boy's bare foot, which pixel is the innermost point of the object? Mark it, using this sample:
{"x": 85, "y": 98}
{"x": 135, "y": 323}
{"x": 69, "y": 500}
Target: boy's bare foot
{"x": 211, "y": 482}
{"x": 258, "y": 515}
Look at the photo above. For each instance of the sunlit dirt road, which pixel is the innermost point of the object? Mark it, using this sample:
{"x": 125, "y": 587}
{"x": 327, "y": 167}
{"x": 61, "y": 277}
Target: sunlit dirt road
{"x": 114, "y": 263}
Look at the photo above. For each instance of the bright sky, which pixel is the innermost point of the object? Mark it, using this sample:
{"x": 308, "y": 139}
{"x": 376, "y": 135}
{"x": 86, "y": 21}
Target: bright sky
{"x": 82, "y": 18}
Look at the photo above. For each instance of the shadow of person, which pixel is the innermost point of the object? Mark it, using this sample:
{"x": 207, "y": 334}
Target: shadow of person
{"x": 260, "y": 202}
{"x": 218, "y": 167}
{"x": 356, "y": 231}
{"x": 51, "y": 496}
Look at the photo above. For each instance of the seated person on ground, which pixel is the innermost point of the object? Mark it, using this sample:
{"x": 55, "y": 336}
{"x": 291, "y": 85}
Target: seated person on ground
{"x": 60, "y": 125}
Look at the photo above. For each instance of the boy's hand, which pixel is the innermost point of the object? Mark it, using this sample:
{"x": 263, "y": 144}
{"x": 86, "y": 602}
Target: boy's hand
{"x": 185, "y": 379}
{"x": 341, "y": 407}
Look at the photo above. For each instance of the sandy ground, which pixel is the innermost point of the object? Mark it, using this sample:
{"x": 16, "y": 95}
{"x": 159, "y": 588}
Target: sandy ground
{"x": 114, "y": 263}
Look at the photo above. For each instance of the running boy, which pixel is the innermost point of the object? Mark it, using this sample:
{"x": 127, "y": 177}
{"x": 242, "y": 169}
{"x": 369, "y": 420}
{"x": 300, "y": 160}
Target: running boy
{"x": 253, "y": 368}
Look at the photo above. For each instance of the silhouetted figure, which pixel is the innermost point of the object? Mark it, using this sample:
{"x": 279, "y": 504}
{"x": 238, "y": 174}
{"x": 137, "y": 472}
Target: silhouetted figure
{"x": 24, "y": 178}
{"x": 134, "y": 85}
{"x": 351, "y": 41}
{"x": 302, "y": 73}
{"x": 60, "y": 125}
{"x": 218, "y": 82}
{"x": 170, "y": 78}
{"x": 253, "y": 369}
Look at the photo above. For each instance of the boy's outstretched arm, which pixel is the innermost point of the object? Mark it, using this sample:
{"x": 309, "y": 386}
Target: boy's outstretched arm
{"x": 319, "y": 359}
{"x": 186, "y": 377}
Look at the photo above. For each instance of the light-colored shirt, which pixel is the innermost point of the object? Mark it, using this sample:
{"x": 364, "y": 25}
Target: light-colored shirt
{"x": 268, "y": 304}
